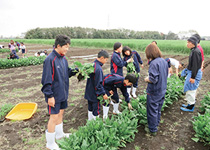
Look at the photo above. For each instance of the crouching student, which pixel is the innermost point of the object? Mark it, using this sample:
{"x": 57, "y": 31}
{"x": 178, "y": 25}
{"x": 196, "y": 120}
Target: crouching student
{"x": 94, "y": 87}
{"x": 127, "y": 53}
{"x": 55, "y": 81}
{"x": 113, "y": 81}
{"x": 193, "y": 73}
{"x": 175, "y": 63}
{"x": 13, "y": 56}
{"x": 156, "y": 88}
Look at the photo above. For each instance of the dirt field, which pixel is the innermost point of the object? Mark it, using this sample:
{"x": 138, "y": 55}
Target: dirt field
{"x": 24, "y": 85}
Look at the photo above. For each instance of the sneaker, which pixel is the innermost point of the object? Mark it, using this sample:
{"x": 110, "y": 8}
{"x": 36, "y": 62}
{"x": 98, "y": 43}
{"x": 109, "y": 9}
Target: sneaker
{"x": 183, "y": 105}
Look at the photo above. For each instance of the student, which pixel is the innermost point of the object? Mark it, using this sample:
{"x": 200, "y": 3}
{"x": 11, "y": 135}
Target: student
{"x": 13, "y": 56}
{"x": 156, "y": 88}
{"x": 193, "y": 73}
{"x": 55, "y": 81}
{"x": 113, "y": 81}
{"x": 116, "y": 61}
{"x": 23, "y": 49}
{"x": 12, "y": 47}
{"x": 18, "y": 45}
{"x": 45, "y": 52}
{"x": 94, "y": 87}
{"x": 200, "y": 48}
{"x": 127, "y": 53}
{"x": 175, "y": 63}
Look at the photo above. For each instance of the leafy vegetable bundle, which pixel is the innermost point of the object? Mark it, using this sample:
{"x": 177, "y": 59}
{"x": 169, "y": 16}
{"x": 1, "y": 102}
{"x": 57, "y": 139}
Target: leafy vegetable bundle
{"x": 84, "y": 70}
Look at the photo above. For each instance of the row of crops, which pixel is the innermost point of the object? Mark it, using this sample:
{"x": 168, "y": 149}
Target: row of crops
{"x": 178, "y": 46}
{"x": 118, "y": 130}
{"x": 11, "y": 63}
{"x": 201, "y": 123}
{"x": 6, "y": 50}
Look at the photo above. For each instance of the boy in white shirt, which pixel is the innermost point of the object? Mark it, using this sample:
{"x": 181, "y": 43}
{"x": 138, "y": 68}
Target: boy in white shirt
{"x": 175, "y": 63}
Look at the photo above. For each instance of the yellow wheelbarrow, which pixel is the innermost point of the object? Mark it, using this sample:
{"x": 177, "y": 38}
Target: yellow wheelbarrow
{"x": 22, "y": 111}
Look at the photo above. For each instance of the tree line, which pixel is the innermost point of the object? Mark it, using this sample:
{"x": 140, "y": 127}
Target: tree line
{"x": 91, "y": 33}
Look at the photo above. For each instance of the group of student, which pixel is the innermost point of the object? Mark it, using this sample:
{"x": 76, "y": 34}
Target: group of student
{"x": 21, "y": 48}
{"x": 56, "y": 74}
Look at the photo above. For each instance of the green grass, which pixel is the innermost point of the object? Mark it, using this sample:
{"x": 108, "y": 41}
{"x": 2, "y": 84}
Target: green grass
{"x": 178, "y": 46}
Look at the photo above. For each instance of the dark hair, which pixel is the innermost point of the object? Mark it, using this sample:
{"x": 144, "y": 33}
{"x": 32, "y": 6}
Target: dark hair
{"x": 193, "y": 40}
{"x": 152, "y": 51}
{"x": 103, "y": 53}
{"x": 197, "y": 37}
{"x": 21, "y": 42}
{"x": 131, "y": 78}
{"x": 155, "y": 42}
{"x": 117, "y": 45}
{"x": 38, "y": 53}
{"x": 126, "y": 48}
{"x": 181, "y": 64}
{"x": 62, "y": 40}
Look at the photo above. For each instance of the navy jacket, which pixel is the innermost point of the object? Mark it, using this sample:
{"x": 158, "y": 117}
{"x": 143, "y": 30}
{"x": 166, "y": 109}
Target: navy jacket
{"x": 94, "y": 87}
{"x": 158, "y": 73}
{"x": 136, "y": 58}
{"x": 55, "y": 77}
{"x": 114, "y": 81}
{"x": 117, "y": 64}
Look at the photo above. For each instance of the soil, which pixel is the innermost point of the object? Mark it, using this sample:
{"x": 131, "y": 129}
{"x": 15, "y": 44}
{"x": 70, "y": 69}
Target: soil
{"x": 23, "y": 84}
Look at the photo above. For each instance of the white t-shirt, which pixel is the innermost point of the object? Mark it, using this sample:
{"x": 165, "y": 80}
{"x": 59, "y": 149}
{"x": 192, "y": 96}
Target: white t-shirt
{"x": 22, "y": 47}
{"x": 1, "y": 46}
{"x": 174, "y": 62}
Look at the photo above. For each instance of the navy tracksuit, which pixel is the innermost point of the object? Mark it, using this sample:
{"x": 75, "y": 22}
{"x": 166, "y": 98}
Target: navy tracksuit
{"x": 158, "y": 72}
{"x": 137, "y": 60}
{"x": 94, "y": 88}
{"x": 112, "y": 82}
{"x": 55, "y": 77}
{"x": 117, "y": 64}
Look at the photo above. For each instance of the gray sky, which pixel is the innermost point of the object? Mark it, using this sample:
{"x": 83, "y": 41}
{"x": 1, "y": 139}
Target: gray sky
{"x": 18, "y": 16}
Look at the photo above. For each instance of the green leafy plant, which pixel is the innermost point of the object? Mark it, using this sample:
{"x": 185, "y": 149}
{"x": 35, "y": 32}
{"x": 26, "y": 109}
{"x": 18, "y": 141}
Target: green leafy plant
{"x": 201, "y": 126}
{"x": 6, "y": 50}
{"x": 5, "y": 109}
{"x": 84, "y": 70}
{"x": 205, "y": 103}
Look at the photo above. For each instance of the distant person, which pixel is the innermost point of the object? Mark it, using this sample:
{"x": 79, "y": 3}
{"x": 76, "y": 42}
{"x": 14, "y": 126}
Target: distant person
{"x": 12, "y": 47}
{"x": 127, "y": 53}
{"x": 193, "y": 74}
{"x": 117, "y": 63}
{"x": 23, "y": 49}
{"x": 45, "y": 52}
{"x": 201, "y": 49}
{"x": 1, "y": 46}
{"x": 175, "y": 63}
{"x": 13, "y": 56}
{"x": 55, "y": 81}
{"x": 18, "y": 45}
{"x": 42, "y": 53}
{"x": 37, "y": 54}
{"x": 156, "y": 88}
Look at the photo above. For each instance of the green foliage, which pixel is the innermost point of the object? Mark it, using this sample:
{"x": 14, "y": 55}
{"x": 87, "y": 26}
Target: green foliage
{"x": 131, "y": 68}
{"x": 205, "y": 103}
{"x": 5, "y": 109}
{"x": 111, "y": 134}
{"x": 84, "y": 69}
{"x": 201, "y": 126}
{"x": 177, "y": 46}
{"x": 6, "y": 50}
{"x": 11, "y": 63}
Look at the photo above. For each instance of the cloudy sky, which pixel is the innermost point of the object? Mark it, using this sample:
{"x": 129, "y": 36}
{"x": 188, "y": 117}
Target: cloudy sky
{"x": 19, "y": 16}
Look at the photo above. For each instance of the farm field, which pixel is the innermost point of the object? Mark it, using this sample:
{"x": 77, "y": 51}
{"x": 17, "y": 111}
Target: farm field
{"x": 23, "y": 84}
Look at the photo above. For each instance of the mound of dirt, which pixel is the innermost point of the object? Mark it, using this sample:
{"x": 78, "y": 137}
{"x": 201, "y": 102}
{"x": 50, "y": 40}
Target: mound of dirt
{"x": 206, "y": 75}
